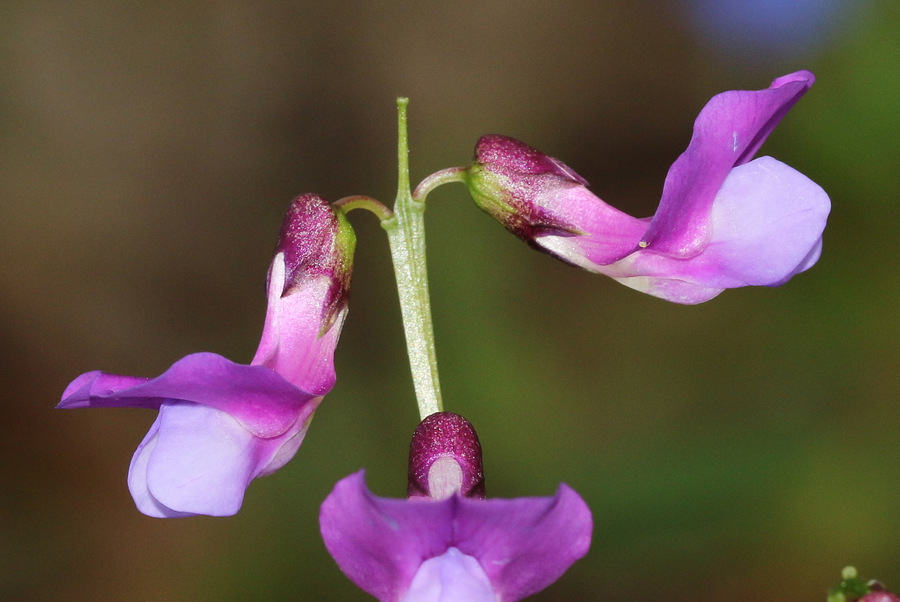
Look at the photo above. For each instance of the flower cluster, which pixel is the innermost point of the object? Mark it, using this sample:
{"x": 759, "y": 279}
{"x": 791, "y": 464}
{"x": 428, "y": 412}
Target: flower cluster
{"x": 725, "y": 220}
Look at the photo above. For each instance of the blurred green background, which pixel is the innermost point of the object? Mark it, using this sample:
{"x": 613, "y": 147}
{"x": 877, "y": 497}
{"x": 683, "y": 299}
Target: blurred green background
{"x": 743, "y": 449}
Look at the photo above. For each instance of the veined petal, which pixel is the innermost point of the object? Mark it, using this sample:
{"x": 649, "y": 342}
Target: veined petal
{"x": 523, "y": 545}
{"x": 728, "y": 132}
{"x": 450, "y": 577}
{"x": 199, "y": 460}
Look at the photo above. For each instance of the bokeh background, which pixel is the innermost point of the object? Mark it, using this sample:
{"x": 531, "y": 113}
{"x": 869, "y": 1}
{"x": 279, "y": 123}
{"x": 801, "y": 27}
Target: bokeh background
{"x": 743, "y": 449}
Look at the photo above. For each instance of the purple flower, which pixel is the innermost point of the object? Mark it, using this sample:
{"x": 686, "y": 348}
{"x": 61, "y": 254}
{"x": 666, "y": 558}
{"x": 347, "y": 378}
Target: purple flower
{"x": 222, "y": 424}
{"x": 725, "y": 220}
{"x": 880, "y": 597}
{"x": 447, "y": 543}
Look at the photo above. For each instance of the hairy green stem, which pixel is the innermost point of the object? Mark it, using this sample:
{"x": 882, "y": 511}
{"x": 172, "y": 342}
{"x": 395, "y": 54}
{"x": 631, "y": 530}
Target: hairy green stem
{"x": 406, "y": 237}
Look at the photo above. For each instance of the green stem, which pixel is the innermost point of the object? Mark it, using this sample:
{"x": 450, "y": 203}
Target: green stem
{"x": 439, "y": 178}
{"x": 349, "y": 203}
{"x": 406, "y": 237}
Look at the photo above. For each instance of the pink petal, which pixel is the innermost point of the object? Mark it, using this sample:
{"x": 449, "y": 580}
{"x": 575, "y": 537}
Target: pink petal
{"x": 293, "y": 342}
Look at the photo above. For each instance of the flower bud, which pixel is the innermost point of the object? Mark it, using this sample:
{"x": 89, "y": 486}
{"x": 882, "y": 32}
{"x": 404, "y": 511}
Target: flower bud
{"x": 317, "y": 241}
{"x": 515, "y": 184}
{"x": 445, "y": 458}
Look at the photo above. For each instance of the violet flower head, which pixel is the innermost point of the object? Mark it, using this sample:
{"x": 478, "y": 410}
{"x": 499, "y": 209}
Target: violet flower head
{"x": 445, "y": 543}
{"x": 725, "y": 220}
{"x": 222, "y": 424}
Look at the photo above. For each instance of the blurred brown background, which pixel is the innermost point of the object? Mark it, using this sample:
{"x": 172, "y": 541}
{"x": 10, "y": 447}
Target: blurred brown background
{"x": 744, "y": 449}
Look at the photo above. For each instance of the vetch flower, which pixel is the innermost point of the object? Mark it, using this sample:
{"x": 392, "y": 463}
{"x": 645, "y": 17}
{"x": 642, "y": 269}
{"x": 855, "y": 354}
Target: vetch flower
{"x": 446, "y": 543}
{"x": 222, "y": 424}
{"x": 725, "y": 220}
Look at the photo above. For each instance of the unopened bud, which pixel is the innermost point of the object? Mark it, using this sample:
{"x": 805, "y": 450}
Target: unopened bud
{"x": 445, "y": 459}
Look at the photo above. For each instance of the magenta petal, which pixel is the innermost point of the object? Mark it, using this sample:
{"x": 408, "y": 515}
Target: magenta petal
{"x": 91, "y": 389}
{"x": 380, "y": 543}
{"x": 728, "y": 132}
{"x": 258, "y": 397}
{"x": 523, "y": 545}
{"x": 220, "y": 425}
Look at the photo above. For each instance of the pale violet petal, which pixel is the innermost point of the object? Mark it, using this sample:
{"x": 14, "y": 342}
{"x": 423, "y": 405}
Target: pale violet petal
{"x": 767, "y": 218}
{"x": 202, "y": 460}
{"x": 450, "y": 577}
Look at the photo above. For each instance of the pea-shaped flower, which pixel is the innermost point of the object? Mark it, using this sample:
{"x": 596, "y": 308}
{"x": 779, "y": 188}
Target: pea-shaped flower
{"x": 446, "y": 543}
{"x": 725, "y": 220}
{"x": 222, "y": 424}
